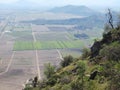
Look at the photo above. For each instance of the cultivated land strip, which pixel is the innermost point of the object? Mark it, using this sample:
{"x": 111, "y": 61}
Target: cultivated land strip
{"x": 9, "y": 64}
{"x": 37, "y": 63}
{"x": 3, "y": 27}
{"x": 1, "y": 35}
{"x": 3, "y": 31}
{"x": 33, "y": 34}
{"x": 36, "y": 52}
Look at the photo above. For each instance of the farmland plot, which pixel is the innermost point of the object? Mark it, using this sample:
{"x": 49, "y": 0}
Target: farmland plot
{"x": 6, "y": 46}
{"x": 23, "y": 67}
{"x": 40, "y": 45}
{"x": 25, "y": 48}
{"x": 48, "y": 56}
{"x": 19, "y": 66}
{"x": 46, "y": 39}
{"x": 49, "y": 36}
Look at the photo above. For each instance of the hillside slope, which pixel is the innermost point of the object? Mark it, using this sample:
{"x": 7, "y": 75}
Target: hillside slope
{"x": 97, "y": 69}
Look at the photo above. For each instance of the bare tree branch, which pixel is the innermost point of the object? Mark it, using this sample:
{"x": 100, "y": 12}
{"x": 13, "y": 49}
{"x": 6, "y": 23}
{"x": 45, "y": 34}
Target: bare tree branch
{"x": 110, "y": 19}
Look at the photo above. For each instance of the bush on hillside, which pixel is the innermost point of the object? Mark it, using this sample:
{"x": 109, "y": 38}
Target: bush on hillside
{"x": 85, "y": 53}
{"x": 111, "y": 52}
{"x": 49, "y": 70}
{"x": 77, "y": 85}
{"x": 67, "y": 60}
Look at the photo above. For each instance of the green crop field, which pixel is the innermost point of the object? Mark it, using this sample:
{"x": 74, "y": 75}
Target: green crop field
{"x": 22, "y": 45}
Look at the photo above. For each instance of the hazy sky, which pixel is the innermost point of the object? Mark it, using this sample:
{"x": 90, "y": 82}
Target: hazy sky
{"x": 104, "y": 3}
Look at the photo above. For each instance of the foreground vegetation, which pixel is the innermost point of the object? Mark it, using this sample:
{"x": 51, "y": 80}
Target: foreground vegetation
{"x": 97, "y": 68}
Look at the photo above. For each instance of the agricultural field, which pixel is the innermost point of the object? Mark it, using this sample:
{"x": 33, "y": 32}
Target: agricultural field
{"x": 26, "y": 47}
{"x": 40, "y": 45}
{"x": 44, "y": 37}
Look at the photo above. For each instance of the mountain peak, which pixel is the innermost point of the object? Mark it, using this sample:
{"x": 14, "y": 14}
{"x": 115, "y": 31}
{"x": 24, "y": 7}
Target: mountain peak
{"x": 71, "y": 9}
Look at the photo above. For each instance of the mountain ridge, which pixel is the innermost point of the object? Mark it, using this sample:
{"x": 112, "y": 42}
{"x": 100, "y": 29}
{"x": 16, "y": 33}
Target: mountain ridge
{"x": 73, "y": 9}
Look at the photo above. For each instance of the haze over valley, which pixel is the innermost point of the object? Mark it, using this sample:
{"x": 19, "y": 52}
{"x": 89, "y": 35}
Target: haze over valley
{"x": 32, "y": 34}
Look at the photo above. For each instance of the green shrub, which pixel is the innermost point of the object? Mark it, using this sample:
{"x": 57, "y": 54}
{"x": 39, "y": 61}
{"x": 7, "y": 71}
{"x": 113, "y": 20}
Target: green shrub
{"x": 115, "y": 82}
{"x": 49, "y": 70}
{"x": 56, "y": 87}
{"x": 42, "y": 84}
{"x": 111, "y": 52}
{"x": 77, "y": 85}
{"x": 65, "y": 80}
{"x": 85, "y": 53}
{"x": 51, "y": 81}
{"x": 67, "y": 60}
{"x": 28, "y": 88}
{"x": 66, "y": 87}
{"x": 81, "y": 69}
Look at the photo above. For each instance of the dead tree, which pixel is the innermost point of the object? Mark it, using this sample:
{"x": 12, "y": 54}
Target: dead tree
{"x": 110, "y": 18}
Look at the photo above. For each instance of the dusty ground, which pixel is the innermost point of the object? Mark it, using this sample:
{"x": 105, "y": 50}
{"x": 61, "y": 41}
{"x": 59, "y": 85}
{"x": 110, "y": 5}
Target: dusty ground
{"x": 24, "y": 67}
{"x": 16, "y": 67}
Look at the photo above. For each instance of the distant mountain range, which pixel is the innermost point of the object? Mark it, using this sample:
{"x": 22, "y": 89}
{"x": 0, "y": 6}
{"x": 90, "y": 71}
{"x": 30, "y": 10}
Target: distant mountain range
{"x": 81, "y": 23}
{"x": 96, "y": 20}
{"x": 77, "y": 10}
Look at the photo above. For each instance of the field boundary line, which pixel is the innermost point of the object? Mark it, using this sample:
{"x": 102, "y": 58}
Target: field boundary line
{"x": 33, "y": 34}
{"x": 3, "y": 28}
{"x": 37, "y": 62}
{"x": 9, "y": 64}
{"x": 36, "y": 54}
{"x": 60, "y": 55}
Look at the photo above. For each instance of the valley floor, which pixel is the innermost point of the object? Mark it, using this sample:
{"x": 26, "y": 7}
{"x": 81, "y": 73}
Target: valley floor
{"x": 23, "y": 67}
